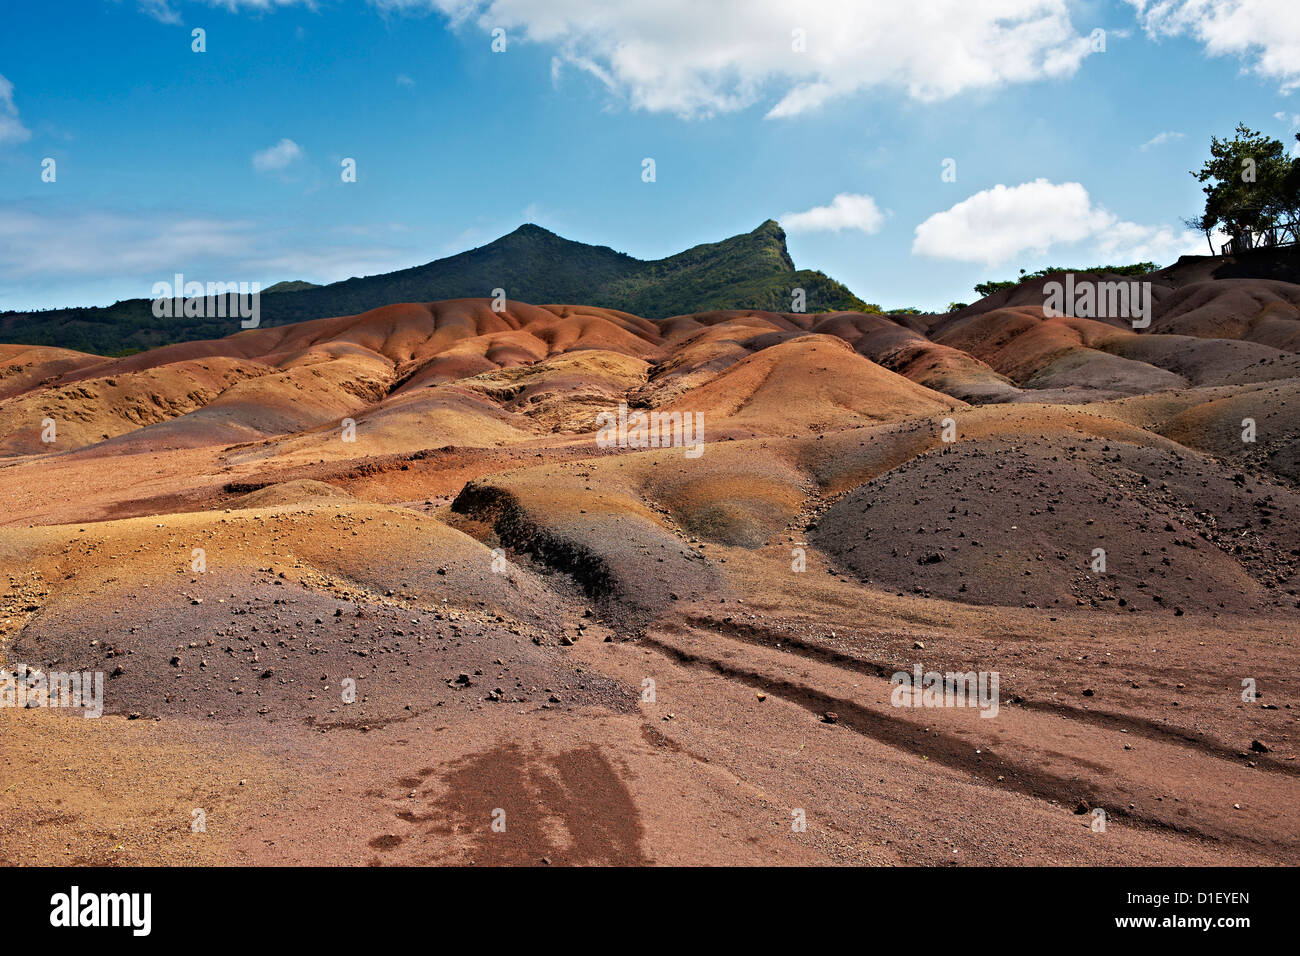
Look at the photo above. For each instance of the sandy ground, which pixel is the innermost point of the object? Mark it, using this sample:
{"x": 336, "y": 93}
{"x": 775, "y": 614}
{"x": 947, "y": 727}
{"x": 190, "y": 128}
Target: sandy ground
{"x": 475, "y": 636}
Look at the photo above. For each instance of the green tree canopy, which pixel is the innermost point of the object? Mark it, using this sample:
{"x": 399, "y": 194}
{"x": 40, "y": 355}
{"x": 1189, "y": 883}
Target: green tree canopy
{"x": 1250, "y": 184}
{"x": 1136, "y": 269}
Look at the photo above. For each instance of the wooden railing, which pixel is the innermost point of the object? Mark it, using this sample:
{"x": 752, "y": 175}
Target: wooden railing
{"x": 1285, "y": 234}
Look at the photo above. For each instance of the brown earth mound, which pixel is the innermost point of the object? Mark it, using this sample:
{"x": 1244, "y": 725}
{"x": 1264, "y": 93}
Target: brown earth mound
{"x": 357, "y": 584}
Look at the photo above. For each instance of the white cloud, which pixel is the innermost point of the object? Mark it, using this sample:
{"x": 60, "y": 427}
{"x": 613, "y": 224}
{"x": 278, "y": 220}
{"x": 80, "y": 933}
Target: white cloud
{"x": 532, "y": 212}
{"x": 696, "y": 58}
{"x": 161, "y": 11}
{"x": 277, "y": 157}
{"x": 1127, "y": 242}
{"x": 1292, "y": 122}
{"x": 330, "y": 264}
{"x": 998, "y": 224}
{"x": 45, "y": 251}
{"x": 404, "y": 80}
{"x": 846, "y": 211}
{"x": 1006, "y": 222}
{"x": 1160, "y": 139}
{"x": 11, "y": 128}
{"x": 1264, "y": 32}
{"x": 50, "y": 244}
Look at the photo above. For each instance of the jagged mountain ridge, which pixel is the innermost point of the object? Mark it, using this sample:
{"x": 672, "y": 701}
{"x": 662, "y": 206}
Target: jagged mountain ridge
{"x": 749, "y": 271}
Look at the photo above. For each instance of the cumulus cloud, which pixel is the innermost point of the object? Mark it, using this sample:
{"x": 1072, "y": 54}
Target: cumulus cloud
{"x": 696, "y": 58}
{"x": 11, "y": 128}
{"x": 846, "y": 211}
{"x": 277, "y": 157}
{"x": 1266, "y": 33}
{"x": 997, "y": 224}
{"x": 1000, "y": 224}
{"x": 1160, "y": 139}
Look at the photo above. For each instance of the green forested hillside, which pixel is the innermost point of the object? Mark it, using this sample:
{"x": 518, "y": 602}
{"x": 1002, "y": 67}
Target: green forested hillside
{"x": 531, "y": 264}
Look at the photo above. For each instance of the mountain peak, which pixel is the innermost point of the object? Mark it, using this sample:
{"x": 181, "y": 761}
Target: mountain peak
{"x": 531, "y": 229}
{"x": 751, "y": 270}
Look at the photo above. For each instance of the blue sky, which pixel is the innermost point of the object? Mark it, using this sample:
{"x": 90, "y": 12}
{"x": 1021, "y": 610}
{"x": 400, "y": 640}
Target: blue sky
{"x": 225, "y": 165}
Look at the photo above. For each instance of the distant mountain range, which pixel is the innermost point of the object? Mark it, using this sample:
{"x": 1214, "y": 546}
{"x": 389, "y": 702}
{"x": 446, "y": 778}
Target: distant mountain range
{"x": 749, "y": 271}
